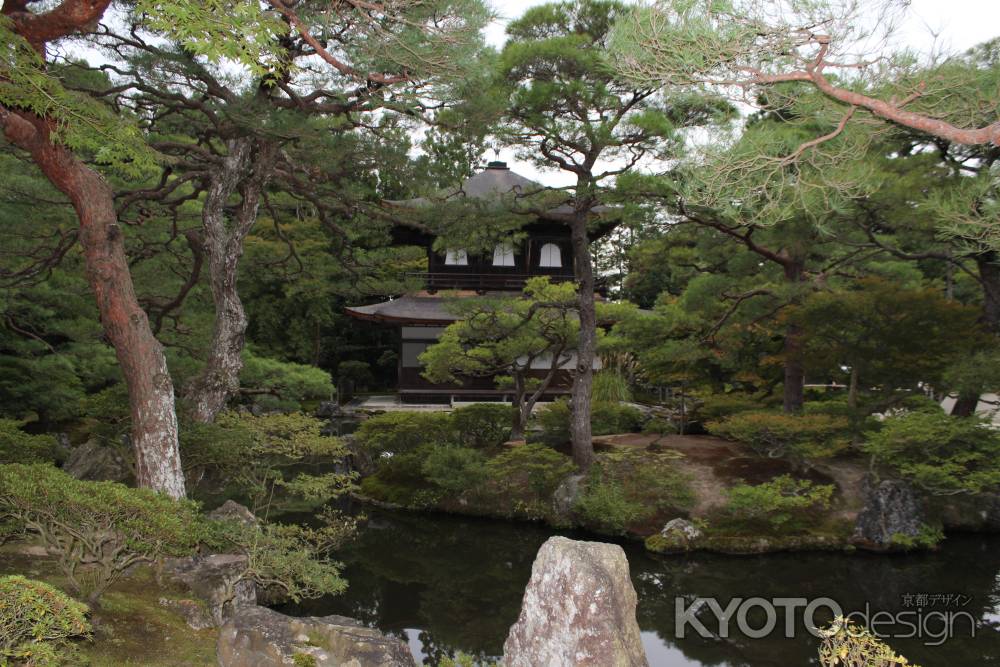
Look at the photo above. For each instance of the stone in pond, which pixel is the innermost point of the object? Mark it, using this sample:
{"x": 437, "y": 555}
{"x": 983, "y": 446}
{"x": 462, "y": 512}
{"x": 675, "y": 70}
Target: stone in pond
{"x": 578, "y": 610}
{"x": 261, "y": 637}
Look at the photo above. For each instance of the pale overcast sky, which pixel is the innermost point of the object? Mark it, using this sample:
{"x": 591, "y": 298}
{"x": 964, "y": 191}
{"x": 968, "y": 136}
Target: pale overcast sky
{"x": 958, "y": 24}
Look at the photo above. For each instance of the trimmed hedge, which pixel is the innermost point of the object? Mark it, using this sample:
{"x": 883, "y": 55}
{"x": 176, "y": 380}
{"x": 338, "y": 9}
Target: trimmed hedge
{"x": 96, "y": 530}
{"x": 774, "y": 434}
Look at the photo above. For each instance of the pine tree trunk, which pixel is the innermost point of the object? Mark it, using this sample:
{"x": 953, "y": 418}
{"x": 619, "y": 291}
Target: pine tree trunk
{"x": 518, "y": 421}
{"x": 580, "y": 430}
{"x": 126, "y": 326}
{"x": 989, "y": 276}
{"x": 852, "y": 391}
{"x": 795, "y": 376}
{"x": 965, "y": 405}
{"x": 247, "y": 167}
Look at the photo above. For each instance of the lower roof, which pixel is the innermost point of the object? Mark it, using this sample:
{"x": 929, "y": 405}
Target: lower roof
{"x": 415, "y": 308}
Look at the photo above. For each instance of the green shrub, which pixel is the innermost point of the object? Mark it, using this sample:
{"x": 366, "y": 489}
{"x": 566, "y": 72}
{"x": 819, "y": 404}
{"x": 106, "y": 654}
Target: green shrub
{"x": 606, "y": 507}
{"x": 625, "y": 487}
{"x": 927, "y": 537}
{"x": 780, "y": 503}
{"x": 659, "y": 426}
{"x": 716, "y": 407}
{"x": 38, "y": 622}
{"x": 289, "y": 559}
{"x": 534, "y": 467}
{"x": 398, "y": 432}
{"x": 257, "y": 455}
{"x": 455, "y": 469}
{"x": 358, "y": 372}
{"x": 287, "y": 384}
{"x": 846, "y": 644}
{"x": 775, "y": 434}
{"x": 610, "y": 386}
{"x": 463, "y": 660}
{"x": 611, "y": 418}
{"x": 554, "y": 422}
{"x": 482, "y": 425}
{"x": 605, "y": 419}
{"x": 938, "y": 452}
{"x": 16, "y": 446}
{"x": 107, "y": 415}
{"x": 96, "y": 530}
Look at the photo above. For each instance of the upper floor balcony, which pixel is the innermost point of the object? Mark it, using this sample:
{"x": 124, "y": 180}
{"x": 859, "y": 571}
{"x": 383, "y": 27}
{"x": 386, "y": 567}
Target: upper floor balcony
{"x": 435, "y": 281}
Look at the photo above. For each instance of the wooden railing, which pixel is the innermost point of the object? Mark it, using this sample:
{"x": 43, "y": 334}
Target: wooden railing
{"x": 481, "y": 282}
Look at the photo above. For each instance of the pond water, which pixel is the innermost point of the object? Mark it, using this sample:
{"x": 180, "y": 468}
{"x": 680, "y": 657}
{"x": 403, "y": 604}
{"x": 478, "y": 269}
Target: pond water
{"x": 446, "y": 583}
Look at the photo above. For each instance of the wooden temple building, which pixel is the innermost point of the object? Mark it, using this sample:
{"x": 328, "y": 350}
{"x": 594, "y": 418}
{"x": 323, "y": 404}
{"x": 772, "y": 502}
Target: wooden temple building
{"x": 543, "y": 250}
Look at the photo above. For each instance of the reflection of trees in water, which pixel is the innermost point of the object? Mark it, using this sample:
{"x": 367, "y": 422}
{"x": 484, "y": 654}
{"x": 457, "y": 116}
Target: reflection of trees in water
{"x": 461, "y": 582}
{"x": 967, "y": 566}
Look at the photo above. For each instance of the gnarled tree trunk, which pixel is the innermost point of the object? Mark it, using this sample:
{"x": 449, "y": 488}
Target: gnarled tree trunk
{"x": 248, "y": 168}
{"x": 795, "y": 375}
{"x": 989, "y": 277}
{"x": 126, "y": 326}
{"x": 583, "y": 378}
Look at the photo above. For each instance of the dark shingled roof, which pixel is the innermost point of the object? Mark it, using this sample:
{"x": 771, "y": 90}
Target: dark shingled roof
{"x": 418, "y": 308}
{"x": 496, "y": 180}
{"x": 410, "y": 308}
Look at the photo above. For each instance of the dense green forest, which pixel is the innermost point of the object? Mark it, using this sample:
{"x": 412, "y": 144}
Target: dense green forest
{"x": 797, "y": 270}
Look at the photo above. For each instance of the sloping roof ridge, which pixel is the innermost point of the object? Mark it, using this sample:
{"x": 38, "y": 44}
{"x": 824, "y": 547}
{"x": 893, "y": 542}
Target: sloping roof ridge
{"x": 489, "y": 182}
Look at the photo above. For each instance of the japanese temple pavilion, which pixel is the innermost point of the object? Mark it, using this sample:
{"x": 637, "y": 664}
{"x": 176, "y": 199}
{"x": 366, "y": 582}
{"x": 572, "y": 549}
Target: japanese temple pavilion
{"x": 543, "y": 250}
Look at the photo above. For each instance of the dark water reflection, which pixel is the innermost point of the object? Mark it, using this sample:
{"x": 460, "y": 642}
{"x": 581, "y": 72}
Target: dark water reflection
{"x": 448, "y": 584}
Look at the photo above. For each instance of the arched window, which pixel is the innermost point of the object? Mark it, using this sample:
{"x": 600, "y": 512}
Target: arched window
{"x": 551, "y": 256}
{"x": 503, "y": 254}
{"x": 456, "y": 258}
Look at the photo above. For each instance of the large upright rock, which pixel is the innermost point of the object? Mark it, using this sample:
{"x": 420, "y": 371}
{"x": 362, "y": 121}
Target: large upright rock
{"x": 233, "y": 511}
{"x": 578, "y": 610}
{"x": 95, "y": 462}
{"x": 261, "y": 637}
{"x": 891, "y": 509}
{"x": 564, "y": 499}
{"x": 217, "y": 580}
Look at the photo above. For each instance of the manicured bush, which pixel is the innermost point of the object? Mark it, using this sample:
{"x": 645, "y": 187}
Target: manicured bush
{"x": 775, "y": 434}
{"x": 716, "y": 407}
{"x": 781, "y": 503}
{"x": 659, "y": 426}
{"x": 288, "y": 384}
{"x": 16, "y": 446}
{"x": 96, "y": 530}
{"x": 611, "y": 418}
{"x": 398, "y": 432}
{"x": 937, "y": 452}
{"x": 455, "y": 469}
{"x": 358, "y": 372}
{"x": 554, "y": 422}
{"x": 38, "y": 623}
{"x": 534, "y": 467}
{"x": 288, "y": 559}
{"x": 254, "y": 456}
{"x": 606, "y": 507}
{"x": 605, "y": 419}
{"x": 482, "y": 425}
